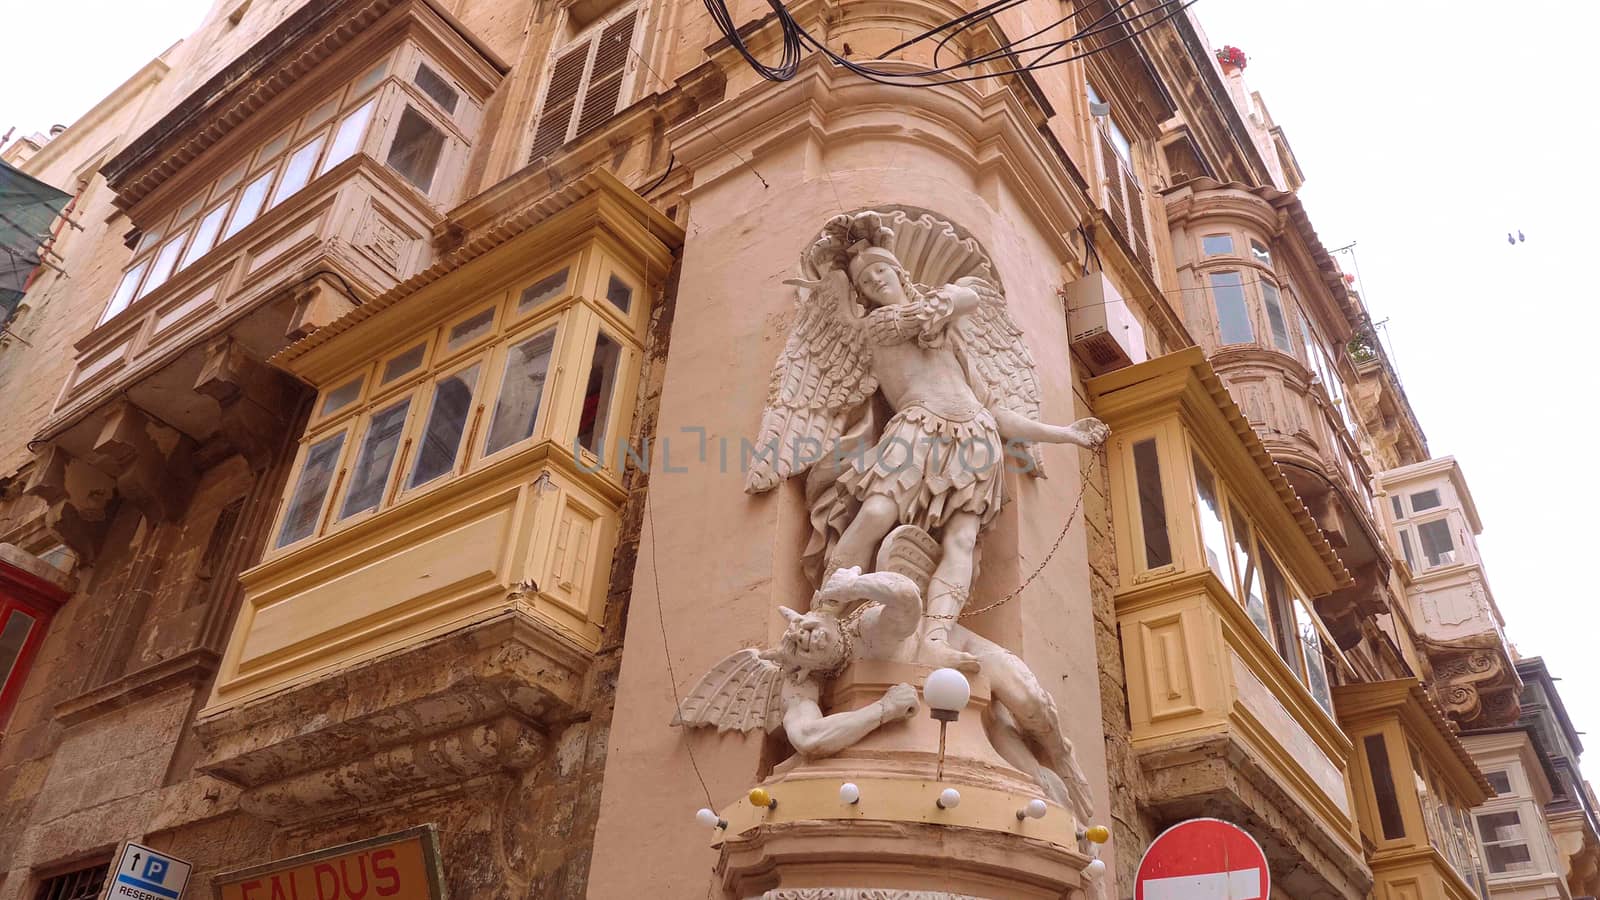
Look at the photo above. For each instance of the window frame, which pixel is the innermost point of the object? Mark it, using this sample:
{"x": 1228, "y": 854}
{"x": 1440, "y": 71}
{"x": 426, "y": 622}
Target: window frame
{"x": 462, "y": 459}
{"x": 13, "y": 679}
{"x": 1524, "y": 839}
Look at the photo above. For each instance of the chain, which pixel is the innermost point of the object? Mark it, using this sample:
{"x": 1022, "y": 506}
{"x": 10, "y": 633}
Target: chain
{"x": 1060, "y": 538}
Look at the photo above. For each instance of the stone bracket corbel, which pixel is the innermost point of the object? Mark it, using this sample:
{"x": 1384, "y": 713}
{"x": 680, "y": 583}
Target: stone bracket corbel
{"x": 317, "y": 301}
{"x": 153, "y": 464}
{"x": 79, "y": 499}
{"x": 254, "y": 400}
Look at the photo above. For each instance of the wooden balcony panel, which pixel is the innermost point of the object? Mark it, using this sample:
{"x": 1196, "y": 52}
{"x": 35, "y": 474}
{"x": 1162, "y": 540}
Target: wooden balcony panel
{"x": 359, "y": 222}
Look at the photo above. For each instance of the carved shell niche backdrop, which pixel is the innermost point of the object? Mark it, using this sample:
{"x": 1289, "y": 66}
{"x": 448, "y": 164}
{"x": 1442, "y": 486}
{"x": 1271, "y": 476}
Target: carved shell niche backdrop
{"x": 933, "y": 250}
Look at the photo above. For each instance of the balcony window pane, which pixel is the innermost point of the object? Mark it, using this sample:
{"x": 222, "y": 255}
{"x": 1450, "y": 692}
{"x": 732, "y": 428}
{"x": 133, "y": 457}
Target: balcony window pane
{"x": 441, "y": 439}
{"x": 1500, "y": 781}
{"x": 1244, "y": 562}
{"x": 1399, "y": 508}
{"x": 1217, "y": 245}
{"x": 12, "y": 637}
{"x": 619, "y": 293}
{"x": 205, "y": 236}
{"x": 1280, "y": 325}
{"x": 1260, "y": 253}
{"x": 305, "y": 504}
{"x": 371, "y": 472}
{"x": 1311, "y": 645}
{"x": 469, "y": 330}
{"x": 273, "y": 148}
{"x": 408, "y": 361}
{"x": 341, "y": 396}
{"x": 1281, "y": 611}
{"x": 1423, "y": 500}
{"x": 416, "y": 149}
{"x": 1437, "y": 546}
{"x": 1503, "y": 843}
{"x": 1152, "y": 505}
{"x": 542, "y": 291}
{"x": 298, "y": 172}
{"x": 1405, "y": 547}
{"x": 347, "y": 139}
{"x": 1233, "y": 316}
{"x": 516, "y": 410}
{"x": 249, "y": 204}
{"x": 373, "y": 76}
{"x": 1383, "y": 791}
{"x": 229, "y": 181}
{"x": 1213, "y": 536}
{"x": 437, "y": 88}
{"x": 597, "y": 396}
{"x": 165, "y": 261}
{"x": 124, "y": 292}
{"x": 189, "y": 209}
{"x": 319, "y": 115}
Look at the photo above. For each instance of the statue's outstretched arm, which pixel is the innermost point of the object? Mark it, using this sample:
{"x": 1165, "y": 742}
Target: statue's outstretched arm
{"x": 1015, "y": 426}
{"x": 815, "y": 735}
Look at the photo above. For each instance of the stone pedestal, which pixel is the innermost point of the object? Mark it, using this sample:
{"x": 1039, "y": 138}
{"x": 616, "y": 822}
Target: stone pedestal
{"x": 896, "y": 841}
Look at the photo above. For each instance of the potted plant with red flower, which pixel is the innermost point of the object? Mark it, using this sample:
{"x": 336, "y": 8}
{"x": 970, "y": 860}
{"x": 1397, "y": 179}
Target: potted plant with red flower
{"x": 1232, "y": 59}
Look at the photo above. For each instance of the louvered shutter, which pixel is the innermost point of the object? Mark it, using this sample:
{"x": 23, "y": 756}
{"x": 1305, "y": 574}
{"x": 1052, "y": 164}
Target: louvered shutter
{"x": 1125, "y": 201}
{"x": 605, "y": 77}
{"x": 1112, "y": 164}
{"x": 560, "y": 101}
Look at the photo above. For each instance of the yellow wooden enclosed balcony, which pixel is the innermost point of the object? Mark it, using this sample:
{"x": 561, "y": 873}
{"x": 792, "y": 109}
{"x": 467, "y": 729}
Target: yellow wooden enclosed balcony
{"x": 463, "y": 458}
{"x": 1229, "y": 669}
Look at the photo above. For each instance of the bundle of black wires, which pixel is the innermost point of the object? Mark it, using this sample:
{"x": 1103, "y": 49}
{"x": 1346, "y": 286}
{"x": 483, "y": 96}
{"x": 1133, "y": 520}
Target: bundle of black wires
{"x": 1010, "y": 55}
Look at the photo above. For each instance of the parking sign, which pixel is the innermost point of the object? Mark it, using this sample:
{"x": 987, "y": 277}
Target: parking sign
{"x": 145, "y": 874}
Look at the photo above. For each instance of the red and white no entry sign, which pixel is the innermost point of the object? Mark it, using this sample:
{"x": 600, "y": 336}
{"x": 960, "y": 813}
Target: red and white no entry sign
{"x": 1203, "y": 859}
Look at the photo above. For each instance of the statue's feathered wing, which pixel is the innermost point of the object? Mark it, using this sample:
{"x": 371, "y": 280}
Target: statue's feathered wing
{"x": 996, "y": 358}
{"x": 741, "y": 693}
{"x": 821, "y": 375}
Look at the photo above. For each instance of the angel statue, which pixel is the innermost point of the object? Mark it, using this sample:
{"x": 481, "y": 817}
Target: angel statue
{"x": 961, "y": 385}
{"x": 763, "y": 689}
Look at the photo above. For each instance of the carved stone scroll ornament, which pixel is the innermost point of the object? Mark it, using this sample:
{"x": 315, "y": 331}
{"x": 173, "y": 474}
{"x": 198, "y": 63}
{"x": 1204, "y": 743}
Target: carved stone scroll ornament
{"x": 899, "y": 304}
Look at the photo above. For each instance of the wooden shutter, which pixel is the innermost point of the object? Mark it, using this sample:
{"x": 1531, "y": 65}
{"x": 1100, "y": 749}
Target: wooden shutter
{"x": 560, "y": 101}
{"x": 605, "y": 77}
{"x": 1125, "y": 201}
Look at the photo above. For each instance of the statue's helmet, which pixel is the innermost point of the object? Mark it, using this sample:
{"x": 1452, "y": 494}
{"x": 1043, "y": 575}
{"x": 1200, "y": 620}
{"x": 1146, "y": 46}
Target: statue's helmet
{"x": 863, "y": 256}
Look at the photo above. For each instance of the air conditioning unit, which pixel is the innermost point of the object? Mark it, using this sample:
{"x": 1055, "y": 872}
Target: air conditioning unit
{"x": 1104, "y": 331}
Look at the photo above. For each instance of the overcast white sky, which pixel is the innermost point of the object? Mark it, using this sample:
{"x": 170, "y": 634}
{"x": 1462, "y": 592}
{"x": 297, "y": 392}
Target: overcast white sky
{"x": 1427, "y": 130}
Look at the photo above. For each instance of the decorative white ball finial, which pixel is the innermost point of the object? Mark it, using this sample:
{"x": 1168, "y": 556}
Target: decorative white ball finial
{"x": 949, "y": 798}
{"x": 947, "y": 691}
{"x": 709, "y": 818}
{"x": 849, "y": 794}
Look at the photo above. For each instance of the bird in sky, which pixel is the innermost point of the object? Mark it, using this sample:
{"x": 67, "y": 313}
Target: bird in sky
{"x": 1514, "y": 240}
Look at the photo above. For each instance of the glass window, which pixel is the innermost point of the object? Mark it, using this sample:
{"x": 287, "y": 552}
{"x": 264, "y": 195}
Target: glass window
{"x": 1260, "y": 253}
{"x": 408, "y": 361}
{"x": 468, "y": 330}
{"x": 347, "y": 139}
{"x": 1152, "y": 505}
{"x": 1424, "y": 500}
{"x": 161, "y": 268}
{"x": 249, "y": 204}
{"x": 190, "y": 208}
{"x": 229, "y": 181}
{"x": 1275, "y": 319}
{"x": 1503, "y": 842}
{"x": 1217, "y": 245}
{"x": 298, "y": 172}
{"x": 205, "y": 236}
{"x": 373, "y": 76}
{"x": 1244, "y": 563}
{"x": 619, "y": 293}
{"x": 319, "y": 115}
{"x": 1233, "y": 316}
{"x": 441, "y": 438}
{"x": 1399, "y": 508}
{"x": 273, "y": 148}
{"x": 437, "y": 88}
{"x": 542, "y": 291}
{"x": 597, "y": 395}
{"x": 1383, "y": 790}
{"x": 1500, "y": 781}
{"x": 371, "y": 472}
{"x": 1213, "y": 535}
{"x": 1281, "y": 607}
{"x": 305, "y": 504}
{"x": 124, "y": 292}
{"x": 12, "y": 639}
{"x": 416, "y": 149}
{"x": 1405, "y": 548}
{"x": 341, "y": 396}
{"x": 1437, "y": 548}
{"x": 1311, "y": 646}
{"x": 516, "y": 410}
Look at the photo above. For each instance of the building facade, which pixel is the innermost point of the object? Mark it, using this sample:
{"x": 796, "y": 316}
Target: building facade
{"x": 433, "y": 391}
